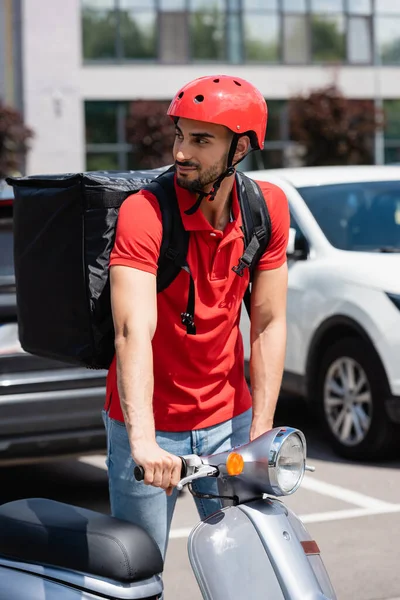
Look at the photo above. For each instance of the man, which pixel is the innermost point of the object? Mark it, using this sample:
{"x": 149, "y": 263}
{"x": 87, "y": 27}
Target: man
{"x": 170, "y": 393}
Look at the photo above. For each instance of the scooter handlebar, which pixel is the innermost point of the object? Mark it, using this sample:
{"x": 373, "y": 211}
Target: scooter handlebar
{"x": 139, "y": 471}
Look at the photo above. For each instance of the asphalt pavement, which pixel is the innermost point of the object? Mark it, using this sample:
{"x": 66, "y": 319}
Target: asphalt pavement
{"x": 352, "y": 510}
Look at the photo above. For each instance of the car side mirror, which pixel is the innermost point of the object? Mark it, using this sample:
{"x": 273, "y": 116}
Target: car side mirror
{"x": 297, "y": 248}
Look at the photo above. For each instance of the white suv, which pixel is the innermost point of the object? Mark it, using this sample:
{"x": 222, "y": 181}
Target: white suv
{"x": 343, "y": 349}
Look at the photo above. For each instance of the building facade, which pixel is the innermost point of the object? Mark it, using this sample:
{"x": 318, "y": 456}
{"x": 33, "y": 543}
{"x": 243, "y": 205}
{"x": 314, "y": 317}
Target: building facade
{"x": 77, "y": 68}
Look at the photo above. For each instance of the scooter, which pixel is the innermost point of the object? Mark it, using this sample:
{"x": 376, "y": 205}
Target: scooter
{"x": 255, "y": 547}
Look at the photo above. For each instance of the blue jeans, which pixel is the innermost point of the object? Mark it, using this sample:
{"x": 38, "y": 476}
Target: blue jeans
{"x": 148, "y": 506}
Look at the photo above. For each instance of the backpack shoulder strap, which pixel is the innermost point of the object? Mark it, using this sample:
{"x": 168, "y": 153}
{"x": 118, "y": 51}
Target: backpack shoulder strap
{"x": 175, "y": 239}
{"x": 256, "y": 222}
{"x": 256, "y": 227}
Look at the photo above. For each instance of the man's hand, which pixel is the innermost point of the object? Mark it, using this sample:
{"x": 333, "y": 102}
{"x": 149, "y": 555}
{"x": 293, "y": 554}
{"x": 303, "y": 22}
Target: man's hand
{"x": 161, "y": 469}
{"x": 259, "y": 426}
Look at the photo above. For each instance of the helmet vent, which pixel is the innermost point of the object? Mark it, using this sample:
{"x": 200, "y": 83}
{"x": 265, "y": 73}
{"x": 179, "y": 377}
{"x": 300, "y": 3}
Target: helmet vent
{"x": 216, "y": 80}
{"x": 199, "y": 99}
{"x": 237, "y": 83}
{"x": 181, "y": 95}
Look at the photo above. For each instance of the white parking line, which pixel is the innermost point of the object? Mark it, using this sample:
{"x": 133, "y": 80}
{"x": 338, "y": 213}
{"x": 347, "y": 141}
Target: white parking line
{"x": 340, "y": 493}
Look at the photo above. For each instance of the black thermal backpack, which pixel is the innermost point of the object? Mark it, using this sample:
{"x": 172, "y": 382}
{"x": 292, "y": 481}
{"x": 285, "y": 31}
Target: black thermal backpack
{"x": 64, "y": 231}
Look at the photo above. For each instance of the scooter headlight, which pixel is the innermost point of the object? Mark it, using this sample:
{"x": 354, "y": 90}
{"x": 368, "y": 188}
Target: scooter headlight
{"x": 290, "y": 464}
{"x": 287, "y": 462}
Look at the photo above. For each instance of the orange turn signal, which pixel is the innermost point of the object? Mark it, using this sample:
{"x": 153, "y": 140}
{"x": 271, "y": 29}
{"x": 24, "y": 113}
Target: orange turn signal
{"x": 234, "y": 464}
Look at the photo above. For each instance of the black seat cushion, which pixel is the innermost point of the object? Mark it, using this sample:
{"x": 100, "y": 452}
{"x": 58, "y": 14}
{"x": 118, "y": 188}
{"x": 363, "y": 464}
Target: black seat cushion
{"x": 52, "y": 533}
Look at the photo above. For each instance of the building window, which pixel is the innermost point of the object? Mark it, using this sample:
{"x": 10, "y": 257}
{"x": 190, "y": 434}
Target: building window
{"x": 207, "y": 31}
{"x": 261, "y": 31}
{"x": 128, "y": 135}
{"x": 241, "y": 31}
{"x": 392, "y": 131}
{"x": 388, "y": 39}
{"x": 359, "y": 48}
{"x": 295, "y": 39}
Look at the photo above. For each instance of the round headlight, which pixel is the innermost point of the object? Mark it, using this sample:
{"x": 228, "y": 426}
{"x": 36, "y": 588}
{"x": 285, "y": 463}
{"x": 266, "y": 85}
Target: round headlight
{"x": 290, "y": 464}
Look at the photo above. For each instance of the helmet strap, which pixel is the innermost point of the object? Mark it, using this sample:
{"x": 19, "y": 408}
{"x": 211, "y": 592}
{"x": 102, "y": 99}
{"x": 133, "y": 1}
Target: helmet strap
{"x": 217, "y": 183}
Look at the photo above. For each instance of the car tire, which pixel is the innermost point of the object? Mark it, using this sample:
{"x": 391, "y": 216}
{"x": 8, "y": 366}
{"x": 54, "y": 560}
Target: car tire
{"x": 351, "y": 388}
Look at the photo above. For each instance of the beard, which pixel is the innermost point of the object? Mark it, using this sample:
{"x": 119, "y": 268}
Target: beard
{"x": 204, "y": 178}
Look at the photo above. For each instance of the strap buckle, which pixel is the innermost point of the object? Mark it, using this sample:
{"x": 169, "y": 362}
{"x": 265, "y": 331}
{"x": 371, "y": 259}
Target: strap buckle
{"x": 239, "y": 268}
{"x": 187, "y": 319}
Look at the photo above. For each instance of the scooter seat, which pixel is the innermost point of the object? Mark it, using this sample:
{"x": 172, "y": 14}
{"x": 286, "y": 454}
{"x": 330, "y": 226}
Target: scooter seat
{"x": 38, "y": 530}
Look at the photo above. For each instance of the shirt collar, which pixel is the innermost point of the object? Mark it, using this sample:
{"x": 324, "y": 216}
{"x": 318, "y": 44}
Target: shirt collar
{"x": 197, "y": 221}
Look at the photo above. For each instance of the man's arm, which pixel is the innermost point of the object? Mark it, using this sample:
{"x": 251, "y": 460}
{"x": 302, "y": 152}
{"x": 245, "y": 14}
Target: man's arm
{"x": 268, "y": 344}
{"x": 134, "y": 307}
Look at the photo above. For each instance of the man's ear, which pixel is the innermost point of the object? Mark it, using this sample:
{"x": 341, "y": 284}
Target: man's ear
{"x": 241, "y": 148}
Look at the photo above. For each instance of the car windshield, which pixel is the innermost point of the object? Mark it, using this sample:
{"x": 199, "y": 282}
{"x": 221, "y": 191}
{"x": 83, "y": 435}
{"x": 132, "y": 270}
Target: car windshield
{"x": 6, "y": 240}
{"x": 357, "y": 216}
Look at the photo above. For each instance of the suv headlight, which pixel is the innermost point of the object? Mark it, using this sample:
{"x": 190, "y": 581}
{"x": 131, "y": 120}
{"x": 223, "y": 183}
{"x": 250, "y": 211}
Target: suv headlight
{"x": 395, "y": 298}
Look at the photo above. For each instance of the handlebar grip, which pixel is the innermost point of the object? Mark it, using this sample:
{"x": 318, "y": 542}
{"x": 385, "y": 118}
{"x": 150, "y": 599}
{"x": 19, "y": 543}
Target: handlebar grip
{"x": 139, "y": 471}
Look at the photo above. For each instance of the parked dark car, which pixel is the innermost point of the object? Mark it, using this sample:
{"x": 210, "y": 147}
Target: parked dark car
{"x": 47, "y": 408}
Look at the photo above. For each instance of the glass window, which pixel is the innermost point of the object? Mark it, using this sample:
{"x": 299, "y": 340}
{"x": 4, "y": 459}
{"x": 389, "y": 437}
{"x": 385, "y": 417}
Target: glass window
{"x": 173, "y": 40}
{"x": 326, "y": 6}
{"x": 295, "y": 39}
{"x": 133, "y": 4}
{"x": 172, "y": 5}
{"x": 234, "y": 5}
{"x": 388, "y": 39}
{"x": 261, "y": 5}
{"x": 99, "y": 33}
{"x": 261, "y": 37}
{"x": 207, "y": 5}
{"x": 295, "y": 6}
{"x": 357, "y": 216}
{"x": 138, "y": 34}
{"x": 359, "y": 7}
{"x": 207, "y": 35}
{"x": 387, "y": 6}
{"x": 328, "y": 39}
{"x": 98, "y": 4}
{"x": 101, "y": 122}
{"x": 276, "y": 120}
{"x": 359, "y": 40}
{"x": 392, "y": 119}
{"x": 392, "y": 154}
{"x": 102, "y": 161}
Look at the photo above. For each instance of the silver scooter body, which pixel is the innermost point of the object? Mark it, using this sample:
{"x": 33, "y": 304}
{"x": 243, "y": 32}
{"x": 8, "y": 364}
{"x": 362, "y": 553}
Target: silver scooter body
{"x": 258, "y": 548}
{"x": 255, "y": 547}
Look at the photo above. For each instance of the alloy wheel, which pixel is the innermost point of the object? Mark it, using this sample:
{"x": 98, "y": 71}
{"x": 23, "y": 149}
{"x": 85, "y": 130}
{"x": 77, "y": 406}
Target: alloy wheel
{"x": 348, "y": 401}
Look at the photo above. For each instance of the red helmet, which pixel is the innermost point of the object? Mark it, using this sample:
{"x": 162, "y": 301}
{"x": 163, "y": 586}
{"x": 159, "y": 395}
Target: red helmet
{"x": 224, "y": 100}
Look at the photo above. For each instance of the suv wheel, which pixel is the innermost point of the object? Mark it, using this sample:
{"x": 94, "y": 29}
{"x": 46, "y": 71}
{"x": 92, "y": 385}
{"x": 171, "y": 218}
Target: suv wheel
{"x": 351, "y": 392}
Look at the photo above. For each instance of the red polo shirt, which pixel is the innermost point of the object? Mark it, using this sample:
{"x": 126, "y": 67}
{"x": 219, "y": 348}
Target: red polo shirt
{"x": 198, "y": 379}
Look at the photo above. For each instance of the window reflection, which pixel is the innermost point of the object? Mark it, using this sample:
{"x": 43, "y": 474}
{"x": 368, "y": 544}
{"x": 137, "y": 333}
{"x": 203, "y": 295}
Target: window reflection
{"x": 261, "y": 35}
{"x": 290, "y": 31}
{"x": 328, "y": 40}
{"x": 327, "y": 6}
{"x": 360, "y": 7}
{"x": 295, "y": 39}
{"x": 359, "y": 40}
{"x": 207, "y": 35}
{"x": 388, "y": 39}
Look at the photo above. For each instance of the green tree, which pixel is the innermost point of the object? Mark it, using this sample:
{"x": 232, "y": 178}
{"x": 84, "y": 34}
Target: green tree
{"x": 138, "y": 40}
{"x": 333, "y": 130}
{"x": 99, "y": 30}
{"x": 14, "y": 136}
{"x": 207, "y": 35}
{"x": 328, "y": 42}
{"x": 390, "y": 53}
